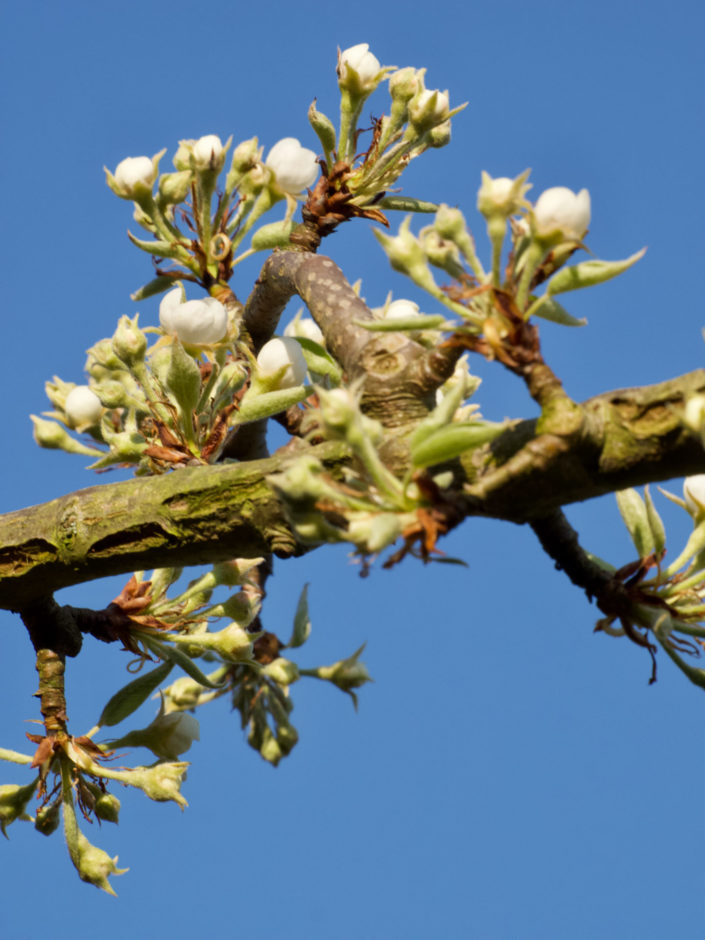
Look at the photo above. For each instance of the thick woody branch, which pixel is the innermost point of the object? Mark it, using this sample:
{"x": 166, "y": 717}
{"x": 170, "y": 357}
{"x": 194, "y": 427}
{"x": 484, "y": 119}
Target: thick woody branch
{"x": 399, "y": 375}
{"x": 624, "y": 438}
{"x": 193, "y": 516}
{"x": 205, "y": 514}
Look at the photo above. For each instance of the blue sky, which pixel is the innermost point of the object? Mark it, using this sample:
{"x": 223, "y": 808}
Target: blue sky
{"x": 509, "y": 774}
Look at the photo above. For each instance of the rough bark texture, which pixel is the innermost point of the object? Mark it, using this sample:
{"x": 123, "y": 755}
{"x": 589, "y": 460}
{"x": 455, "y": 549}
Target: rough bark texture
{"x": 195, "y": 515}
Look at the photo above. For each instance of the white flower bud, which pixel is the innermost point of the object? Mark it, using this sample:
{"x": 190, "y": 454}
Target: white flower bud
{"x": 83, "y": 407}
{"x": 133, "y": 171}
{"x": 694, "y": 494}
{"x": 361, "y": 60}
{"x": 560, "y": 210}
{"x": 294, "y": 166}
{"x": 401, "y": 309}
{"x": 207, "y": 151}
{"x": 429, "y": 108}
{"x": 195, "y": 322}
{"x": 279, "y": 352}
{"x": 305, "y": 328}
{"x": 169, "y": 302}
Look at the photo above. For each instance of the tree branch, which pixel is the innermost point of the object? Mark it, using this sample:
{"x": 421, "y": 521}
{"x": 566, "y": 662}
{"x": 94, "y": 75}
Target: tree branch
{"x": 205, "y": 514}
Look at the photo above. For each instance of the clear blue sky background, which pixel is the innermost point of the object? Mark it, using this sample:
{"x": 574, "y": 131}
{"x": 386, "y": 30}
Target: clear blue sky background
{"x": 509, "y": 774}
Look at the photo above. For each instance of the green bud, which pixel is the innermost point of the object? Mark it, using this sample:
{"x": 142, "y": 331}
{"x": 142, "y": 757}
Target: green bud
{"x": 94, "y": 865}
{"x": 405, "y": 83}
{"x": 53, "y": 436}
{"x": 112, "y": 394}
{"x": 48, "y": 818}
{"x": 175, "y": 187}
{"x": 282, "y": 671}
{"x": 13, "y": 802}
{"x": 129, "y": 342}
{"x": 323, "y": 126}
{"x": 439, "y": 136}
{"x": 162, "y": 782}
{"x": 272, "y": 235}
{"x": 374, "y": 531}
{"x": 107, "y": 808}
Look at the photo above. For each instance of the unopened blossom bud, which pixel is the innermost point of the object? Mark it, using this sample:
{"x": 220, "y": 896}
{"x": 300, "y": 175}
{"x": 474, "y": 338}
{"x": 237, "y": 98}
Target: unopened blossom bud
{"x": 129, "y": 342}
{"x": 196, "y": 322}
{"x": 439, "y": 136}
{"x": 246, "y": 155}
{"x": 305, "y": 328}
{"x": 282, "y": 671}
{"x": 168, "y": 736}
{"x": 54, "y": 436}
{"x": 358, "y": 69}
{"x": 294, "y": 166}
{"x": 694, "y": 495}
{"x": 175, "y": 187}
{"x": 428, "y": 109}
{"x": 282, "y": 354}
{"x": 48, "y": 818}
{"x": 94, "y": 865}
{"x": 160, "y": 782}
{"x": 13, "y": 802}
{"x": 134, "y": 173}
{"x": 404, "y": 84}
{"x": 207, "y": 152}
{"x": 182, "y": 157}
{"x": 83, "y": 407}
{"x": 562, "y": 213}
{"x": 347, "y": 674}
{"x": 401, "y": 310}
{"x": 501, "y": 196}
{"x": 169, "y": 302}
{"x": 694, "y": 413}
{"x": 107, "y": 807}
{"x": 183, "y": 693}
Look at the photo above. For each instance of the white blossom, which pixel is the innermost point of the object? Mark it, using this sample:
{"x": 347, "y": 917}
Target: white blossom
{"x": 133, "y": 170}
{"x": 401, "y": 309}
{"x": 279, "y": 352}
{"x": 305, "y": 328}
{"x": 429, "y": 108}
{"x": 694, "y": 494}
{"x": 206, "y": 150}
{"x": 83, "y": 407}
{"x": 197, "y": 322}
{"x": 294, "y": 166}
{"x": 362, "y": 61}
{"x": 559, "y": 209}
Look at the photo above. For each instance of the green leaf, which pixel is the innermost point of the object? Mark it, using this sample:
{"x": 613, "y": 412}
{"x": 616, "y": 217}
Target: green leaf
{"x": 454, "y": 440}
{"x": 406, "y": 204}
{"x": 272, "y": 235}
{"x": 319, "y": 360}
{"x": 633, "y": 511}
{"x": 549, "y": 309}
{"x": 161, "y": 249}
{"x": 129, "y": 698}
{"x": 655, "y": 523}
{"x": 424, "y": 321}
{"x": 589, "y": 273}
{"x": 152, "y": 288}
{"x": 183, "y": 379}
{"x": 302, "y": 621}
{"x": 267, "y": 404}
{"x": 177, "y": 657}
{"x": 323, "y": 126}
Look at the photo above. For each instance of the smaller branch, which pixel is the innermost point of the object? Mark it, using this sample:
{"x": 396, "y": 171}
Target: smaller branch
{"x": 51, "y": 667}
